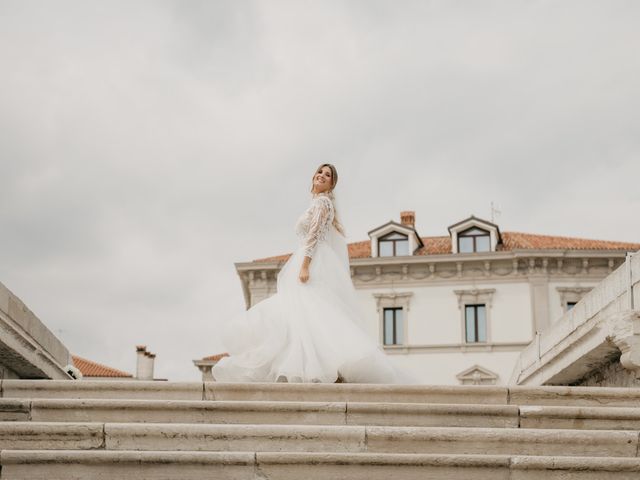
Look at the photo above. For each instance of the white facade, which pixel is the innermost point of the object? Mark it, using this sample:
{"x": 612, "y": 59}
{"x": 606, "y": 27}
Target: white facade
{"x": 521, "y": 290}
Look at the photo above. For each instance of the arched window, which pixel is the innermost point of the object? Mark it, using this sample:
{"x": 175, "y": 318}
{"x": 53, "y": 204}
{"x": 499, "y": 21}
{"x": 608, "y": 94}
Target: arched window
{"x": 393, "y": 244}
{"x": 474, "y": 240}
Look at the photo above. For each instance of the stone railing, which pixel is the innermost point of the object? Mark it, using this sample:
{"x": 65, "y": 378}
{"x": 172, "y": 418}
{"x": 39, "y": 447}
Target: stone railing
{"x": 603, "y": 326}
{"x": 28, "y": 349}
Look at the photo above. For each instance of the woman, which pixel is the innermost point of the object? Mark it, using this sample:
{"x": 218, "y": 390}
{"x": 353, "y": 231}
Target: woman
{"x": 307, "y": 331}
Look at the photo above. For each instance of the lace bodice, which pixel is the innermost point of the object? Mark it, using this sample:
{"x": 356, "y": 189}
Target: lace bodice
{"x": 314, "y": 223}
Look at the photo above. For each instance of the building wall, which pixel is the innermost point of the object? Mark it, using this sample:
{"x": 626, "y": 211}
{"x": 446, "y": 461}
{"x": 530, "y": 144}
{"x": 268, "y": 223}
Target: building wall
{"x": 441, "y": 368}
{"x": 557, "y": 308}
{"x": 510, "y": 322}
{"x": 434, "y": 322}
{"x": 520, "y": 289}
{"x": 434, "y": 316}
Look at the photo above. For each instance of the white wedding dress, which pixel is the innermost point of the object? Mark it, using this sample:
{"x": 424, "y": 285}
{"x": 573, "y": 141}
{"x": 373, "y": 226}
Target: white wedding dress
{"x": 306, "y": 332}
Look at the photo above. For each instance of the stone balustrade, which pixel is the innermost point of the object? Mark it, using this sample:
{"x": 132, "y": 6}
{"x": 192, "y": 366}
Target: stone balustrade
{"x": 603, "y": 328}
{"x": 28, "y": 349}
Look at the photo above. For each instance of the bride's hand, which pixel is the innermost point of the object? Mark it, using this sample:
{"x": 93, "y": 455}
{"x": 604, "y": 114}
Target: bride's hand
{"x": 304, "y": 274}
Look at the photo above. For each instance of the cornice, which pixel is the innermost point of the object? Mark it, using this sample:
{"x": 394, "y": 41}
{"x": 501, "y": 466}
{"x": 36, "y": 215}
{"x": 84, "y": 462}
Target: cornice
{"x": 479, "y": 257}
{"x": 453, "y": 257}
{"x": 579, "y": 290}
{"x": 452, "y": 270}
{"x": 456, "y": 347}
{"x": 393, "y": 295}
{"x": 256, "y": 266}
{"x": 475, "y": 295}
{"x": 481, "y": 269}
{"x": 484, "y": 270}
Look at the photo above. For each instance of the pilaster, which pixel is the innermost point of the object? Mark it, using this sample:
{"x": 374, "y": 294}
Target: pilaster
{"x": 539, "y": 287}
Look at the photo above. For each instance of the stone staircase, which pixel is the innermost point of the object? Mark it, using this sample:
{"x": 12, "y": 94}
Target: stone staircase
{"x": 163, "y": 430}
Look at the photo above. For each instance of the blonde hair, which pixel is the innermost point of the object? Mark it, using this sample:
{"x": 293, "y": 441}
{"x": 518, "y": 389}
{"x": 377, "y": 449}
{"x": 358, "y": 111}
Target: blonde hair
{"x": 334, "y": 179}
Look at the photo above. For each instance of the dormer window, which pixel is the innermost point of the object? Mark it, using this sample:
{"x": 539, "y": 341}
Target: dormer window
{"x": 474, "y": 235}
{"x": 393, "y": 244}
{"x": 474, "y": 240}
{"x": 395, "y": 239}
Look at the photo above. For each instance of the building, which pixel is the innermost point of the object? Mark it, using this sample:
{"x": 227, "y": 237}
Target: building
{"x": 459, "y": 308}
{"x": 91, "y": 370}
{"x": 145, "y": 363}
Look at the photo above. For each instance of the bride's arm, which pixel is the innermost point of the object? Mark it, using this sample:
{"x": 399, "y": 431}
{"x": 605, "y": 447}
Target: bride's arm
{"x": 318, "y": 226}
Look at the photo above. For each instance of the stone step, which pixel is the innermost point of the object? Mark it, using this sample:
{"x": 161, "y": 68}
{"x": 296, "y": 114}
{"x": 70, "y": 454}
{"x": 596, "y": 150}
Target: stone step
{"x": 560, "y": 396}
{"x": 117, "y": 389}
{"x": 319, "y": 413}
{"x": 291, "y": 413}
{"x": 128, "y": 465}
{"x": 575, "y": 396}
{"x": 604, "y": 418}
{"x": 301, "y": 438}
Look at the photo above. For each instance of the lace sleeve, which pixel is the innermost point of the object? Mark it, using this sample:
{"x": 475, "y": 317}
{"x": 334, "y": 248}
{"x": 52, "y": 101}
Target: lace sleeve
{"x": 319, "y": 223}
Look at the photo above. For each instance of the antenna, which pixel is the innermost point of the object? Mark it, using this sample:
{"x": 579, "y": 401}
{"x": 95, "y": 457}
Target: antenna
{"x": 495, "y": 212}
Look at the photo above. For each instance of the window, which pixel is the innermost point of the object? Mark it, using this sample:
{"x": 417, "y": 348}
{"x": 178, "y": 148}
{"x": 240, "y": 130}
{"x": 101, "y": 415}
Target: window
{"x": 393, "y": 317}
{"x": 392, "y": 326}
{"x": 570, "y": 296}
{"x": 474, "y": 240}
{"x": 393, "y": 244}
{"x": 475, "y": 314}
{"x": 475, "y": 317}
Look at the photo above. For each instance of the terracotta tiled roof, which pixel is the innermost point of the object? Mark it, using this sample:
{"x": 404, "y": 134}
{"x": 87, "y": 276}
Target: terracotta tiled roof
{"x": 360, "y": 249}
{"x": 94, "y": 369}
{"x": 516, "y": 240}
{"x": 510, "y": 241}
{"x": 216, "y": 357}
{"x": 435, "y": 245}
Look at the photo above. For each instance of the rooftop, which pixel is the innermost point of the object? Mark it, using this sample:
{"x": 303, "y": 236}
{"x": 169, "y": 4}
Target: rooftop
{"x": 93, "y": 369}
{"x": 510, "y": 241}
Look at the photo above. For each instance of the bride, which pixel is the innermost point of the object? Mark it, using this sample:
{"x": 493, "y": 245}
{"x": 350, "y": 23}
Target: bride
{"x": 308, "y": 331}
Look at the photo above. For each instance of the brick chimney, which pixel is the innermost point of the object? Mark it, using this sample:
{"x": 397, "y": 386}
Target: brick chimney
{"x": 144, "y": 363}
{"x": 408, "y": 218}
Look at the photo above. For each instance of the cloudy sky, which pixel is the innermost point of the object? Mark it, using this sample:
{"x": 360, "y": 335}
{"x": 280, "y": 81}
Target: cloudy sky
{"x": 146, "y": 146}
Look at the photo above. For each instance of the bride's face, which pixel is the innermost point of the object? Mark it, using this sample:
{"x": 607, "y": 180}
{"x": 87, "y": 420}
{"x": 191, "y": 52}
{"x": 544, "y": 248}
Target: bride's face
{"x": 322, "y": 180}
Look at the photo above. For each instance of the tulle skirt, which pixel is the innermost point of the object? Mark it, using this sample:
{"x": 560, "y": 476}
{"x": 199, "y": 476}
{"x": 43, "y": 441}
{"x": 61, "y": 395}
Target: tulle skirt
{"x": 306, "y": 332}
